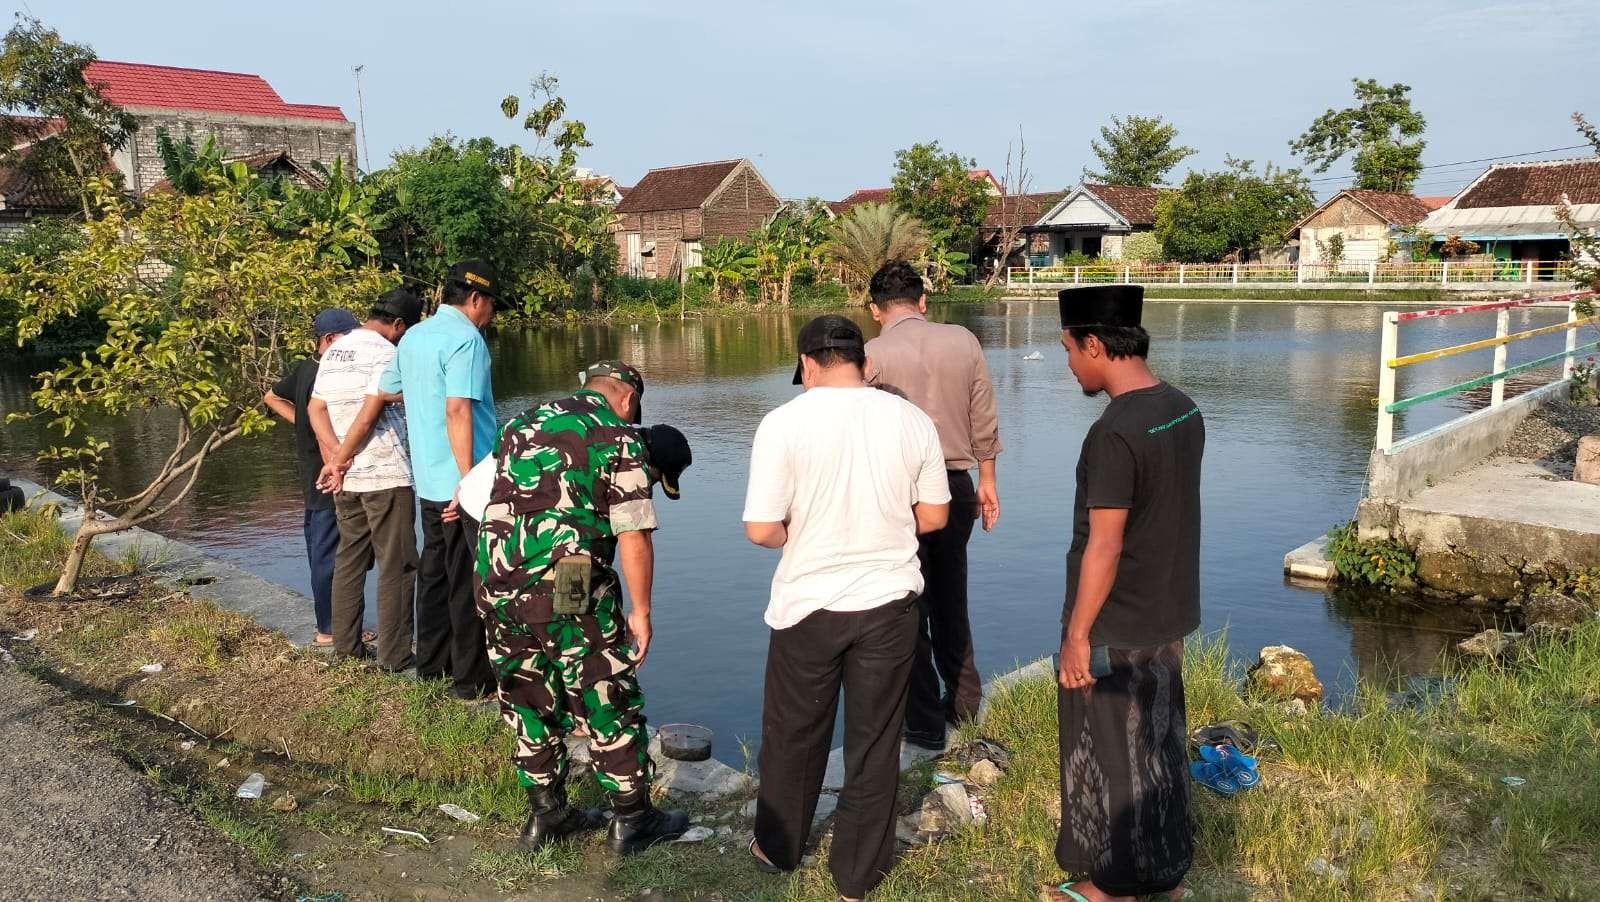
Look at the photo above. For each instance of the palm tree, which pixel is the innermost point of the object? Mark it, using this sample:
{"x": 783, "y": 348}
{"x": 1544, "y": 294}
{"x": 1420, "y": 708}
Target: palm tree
{"x": 871, "y": 235}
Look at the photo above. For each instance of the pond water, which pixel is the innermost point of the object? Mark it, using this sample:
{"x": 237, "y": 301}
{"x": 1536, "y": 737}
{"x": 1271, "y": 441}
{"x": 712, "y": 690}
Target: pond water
{"x": 1286, "y": 390}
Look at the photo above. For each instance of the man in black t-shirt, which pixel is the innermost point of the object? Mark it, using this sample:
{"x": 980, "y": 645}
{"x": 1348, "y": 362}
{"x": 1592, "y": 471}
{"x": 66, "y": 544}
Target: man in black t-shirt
{"x": 288, "y": 400}
{"x": 1133, "y": 593}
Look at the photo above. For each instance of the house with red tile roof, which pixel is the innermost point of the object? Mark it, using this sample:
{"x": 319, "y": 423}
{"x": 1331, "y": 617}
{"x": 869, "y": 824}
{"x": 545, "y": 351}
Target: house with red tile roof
{"x": 1510, "y": 210}
{"x": 1092, "y": 220}
{"x": 240, "y": 110}
{"x": 1367, "y": 221}
{"x": 663, "y": 221}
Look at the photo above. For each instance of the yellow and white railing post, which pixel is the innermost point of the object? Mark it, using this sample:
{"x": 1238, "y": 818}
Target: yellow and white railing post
{"x": 1389, "y": 350}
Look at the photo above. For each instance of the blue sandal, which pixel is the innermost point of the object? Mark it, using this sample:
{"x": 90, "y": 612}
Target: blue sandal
{"x": 1066, "y": 889}
{"x": 1239, "y": 767}
{"x": 1214, "y": 777}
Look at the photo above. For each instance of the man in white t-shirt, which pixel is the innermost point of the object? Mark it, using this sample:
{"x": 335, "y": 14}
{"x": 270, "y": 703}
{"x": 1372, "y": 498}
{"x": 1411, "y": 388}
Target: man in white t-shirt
{"x": 374, "y": 501}
{"x": 843, "y": 479}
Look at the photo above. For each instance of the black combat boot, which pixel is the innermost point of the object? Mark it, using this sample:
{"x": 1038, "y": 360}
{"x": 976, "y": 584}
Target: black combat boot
{"x": 637, "y": 825}
{"x": 550, "y": 818}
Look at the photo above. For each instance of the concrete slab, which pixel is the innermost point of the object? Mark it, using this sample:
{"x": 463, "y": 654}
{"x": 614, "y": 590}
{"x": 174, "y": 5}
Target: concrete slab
{"x": 1311, "y": 562}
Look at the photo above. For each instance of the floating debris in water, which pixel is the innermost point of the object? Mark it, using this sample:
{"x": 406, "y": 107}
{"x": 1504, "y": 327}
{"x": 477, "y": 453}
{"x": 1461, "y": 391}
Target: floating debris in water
{"x": 1036, "y": 355}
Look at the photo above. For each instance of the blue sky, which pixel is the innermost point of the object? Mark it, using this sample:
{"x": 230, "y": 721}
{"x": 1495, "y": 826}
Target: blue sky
{"x": 821, "y": 94}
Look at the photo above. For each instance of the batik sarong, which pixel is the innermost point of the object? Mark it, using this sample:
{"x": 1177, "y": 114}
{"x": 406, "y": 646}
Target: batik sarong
{"x": 1125, "y": 775}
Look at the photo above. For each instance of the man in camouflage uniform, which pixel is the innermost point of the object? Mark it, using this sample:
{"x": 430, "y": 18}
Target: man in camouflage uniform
{"x": 572, "y": 489}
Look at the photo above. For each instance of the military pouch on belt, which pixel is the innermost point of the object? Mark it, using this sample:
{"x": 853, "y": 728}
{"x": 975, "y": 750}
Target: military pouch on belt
{"x": 574, "y": 575}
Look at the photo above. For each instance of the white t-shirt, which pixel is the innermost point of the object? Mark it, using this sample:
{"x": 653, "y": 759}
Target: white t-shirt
{"x": 350, "y": 371}
{"x": 844, "y": 466}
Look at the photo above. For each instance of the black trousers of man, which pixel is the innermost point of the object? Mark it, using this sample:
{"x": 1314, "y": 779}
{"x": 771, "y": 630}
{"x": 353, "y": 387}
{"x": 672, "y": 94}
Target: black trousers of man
{"x": 450, "y": 638}
{"x": 869, "y": 654}
{"x": 944, "y": 637}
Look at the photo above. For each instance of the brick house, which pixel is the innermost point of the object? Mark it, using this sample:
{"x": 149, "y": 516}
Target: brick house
{"x": 1368, "y": 220}
{"x": 1092, "y": 220}
{"x": 662, "y": 221}
{"x": 242, "y": 111}
{"x": 25, "y": 194}
{"x": 1510, "y": 210}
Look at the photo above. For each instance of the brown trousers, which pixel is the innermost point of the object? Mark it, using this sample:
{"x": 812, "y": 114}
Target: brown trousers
{"x": 376, "y": 526}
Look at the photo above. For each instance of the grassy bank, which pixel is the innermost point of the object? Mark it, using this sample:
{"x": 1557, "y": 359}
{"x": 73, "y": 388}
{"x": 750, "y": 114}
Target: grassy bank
{"x": 1399, "y": 802}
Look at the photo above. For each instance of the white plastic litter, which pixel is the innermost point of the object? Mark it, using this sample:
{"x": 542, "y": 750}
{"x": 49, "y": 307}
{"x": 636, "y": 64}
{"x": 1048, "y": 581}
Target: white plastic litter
{"x": 186, "y": 745}
{"x": 151, "y": 668}
{"x": 696, "y": 834}
{"x": 459, "y": 813}
{"x": 396, "y": 831}
{"x": 1036, "y": 355}
{"x": 252, "y": 787}
{"x": 27, "y": 635}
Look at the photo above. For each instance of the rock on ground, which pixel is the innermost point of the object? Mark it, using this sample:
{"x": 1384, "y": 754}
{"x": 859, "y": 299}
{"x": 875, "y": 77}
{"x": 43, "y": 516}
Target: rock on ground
{"x": 77, "y": 823}
{"x": 1284, "y": 673}
{"x": 1557, "y": 611}
{"x": 1587, "y": 467}
{"x": 1487, "y": 644}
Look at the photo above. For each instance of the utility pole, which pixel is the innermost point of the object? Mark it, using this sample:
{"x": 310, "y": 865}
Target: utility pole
{"x": 361, "y": 117}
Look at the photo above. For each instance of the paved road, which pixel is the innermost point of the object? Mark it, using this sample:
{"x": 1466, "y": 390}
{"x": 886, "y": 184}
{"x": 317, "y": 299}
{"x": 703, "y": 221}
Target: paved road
{"x": 77, "y": 823}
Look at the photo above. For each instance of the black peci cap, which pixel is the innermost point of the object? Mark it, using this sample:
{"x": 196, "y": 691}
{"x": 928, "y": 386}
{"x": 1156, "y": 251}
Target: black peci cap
{"x": 1101, "y": 305}
{"x": 827, "y": 332}
{"x": 669, "y": 453}
{"x": 476, "y": 275}
{"x": 401, "y": 303}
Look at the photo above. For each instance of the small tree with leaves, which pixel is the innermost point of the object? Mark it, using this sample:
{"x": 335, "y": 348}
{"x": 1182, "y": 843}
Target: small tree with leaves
{"x": 1332, "y": 250}
{"x": 1382, "y": 133}
{"x": 1137, "y": 150}
{"x": 42, "y": 76}
{"x": 937, "y": 188}
{"x": 204, "y": 303}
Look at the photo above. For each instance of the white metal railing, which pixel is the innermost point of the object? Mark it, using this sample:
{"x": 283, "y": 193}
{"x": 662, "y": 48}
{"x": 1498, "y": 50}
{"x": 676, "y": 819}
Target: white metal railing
{"x": 1436, "y": 272}
{"x": 1390, "y": 361}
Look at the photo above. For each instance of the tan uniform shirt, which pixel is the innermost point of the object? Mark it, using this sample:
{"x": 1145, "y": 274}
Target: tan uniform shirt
{"x": 940, "y": 368}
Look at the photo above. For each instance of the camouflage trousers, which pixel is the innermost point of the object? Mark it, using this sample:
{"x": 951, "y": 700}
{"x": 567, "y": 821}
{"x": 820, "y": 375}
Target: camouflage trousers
{"x": 569, "y": 674}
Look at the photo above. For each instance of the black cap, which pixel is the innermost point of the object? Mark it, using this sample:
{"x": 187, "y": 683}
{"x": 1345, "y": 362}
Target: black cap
{"x": 399, "y": 302}
{"x": 828, "y": 332}
{"x": 476, "y": 275}
{"x": 669, "y": 453}
{"x": 1101, "y": 305}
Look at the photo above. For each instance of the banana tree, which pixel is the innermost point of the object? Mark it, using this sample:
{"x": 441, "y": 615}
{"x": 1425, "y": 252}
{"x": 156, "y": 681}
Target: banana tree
{"x": 727, "y": 264}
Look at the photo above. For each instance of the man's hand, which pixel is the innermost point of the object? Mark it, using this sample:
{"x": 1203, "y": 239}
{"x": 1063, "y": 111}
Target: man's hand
{"x": 1075, "y": 664}
{"x": 452, "y": 511}
{"x": 331, "y": 478}
{"x": 639, "y": 635}
{"x": 988, "y": 504}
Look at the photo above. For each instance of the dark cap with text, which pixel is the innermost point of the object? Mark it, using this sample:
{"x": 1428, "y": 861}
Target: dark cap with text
{"x": 669, "y": 454}
{"x": 476, "y": 275}
{"x": 829, "y": 332}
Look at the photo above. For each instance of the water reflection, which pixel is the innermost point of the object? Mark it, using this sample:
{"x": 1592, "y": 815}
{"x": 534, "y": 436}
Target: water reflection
{"x": 1287, "y": 392}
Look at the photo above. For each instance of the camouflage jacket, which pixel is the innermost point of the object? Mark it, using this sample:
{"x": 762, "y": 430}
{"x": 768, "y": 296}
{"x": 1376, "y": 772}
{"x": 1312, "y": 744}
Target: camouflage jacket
{"x": 569, "y": 477}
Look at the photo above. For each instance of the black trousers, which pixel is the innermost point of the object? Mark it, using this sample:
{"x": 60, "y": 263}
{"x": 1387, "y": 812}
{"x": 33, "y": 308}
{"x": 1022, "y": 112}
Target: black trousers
{"x": 450, "y": 640}
{"x": 869, "y": 654}
{"x": 944, "y": 638}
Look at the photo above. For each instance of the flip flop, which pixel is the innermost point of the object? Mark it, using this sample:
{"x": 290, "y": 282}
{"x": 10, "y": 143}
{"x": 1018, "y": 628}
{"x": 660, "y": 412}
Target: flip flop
{"x": 762, "y": 865}
{"x": 1067, "y": 891}
{"x": 1214, "y": 777}
{"x": 1241, "y": 768}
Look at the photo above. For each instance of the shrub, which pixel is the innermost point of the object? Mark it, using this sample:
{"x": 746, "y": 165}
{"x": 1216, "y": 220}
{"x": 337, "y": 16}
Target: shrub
{"x": 1376, "y": 562}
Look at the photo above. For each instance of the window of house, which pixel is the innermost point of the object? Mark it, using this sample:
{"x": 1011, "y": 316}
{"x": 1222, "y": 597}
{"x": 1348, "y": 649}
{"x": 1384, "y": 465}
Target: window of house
{"x": 1090, "y": 245}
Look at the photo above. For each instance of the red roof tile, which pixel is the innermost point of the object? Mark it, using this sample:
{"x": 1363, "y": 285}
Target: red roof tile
{"x": 1435, "y": 201}
{"x": 676, "y": 187}
{"x": 1393, "y": 207}
{"x": 173, "y": 88}
{"x": 1020, "y": 209}
{"x": 1534, "y": 184}
{"x": 1136, "y": 205}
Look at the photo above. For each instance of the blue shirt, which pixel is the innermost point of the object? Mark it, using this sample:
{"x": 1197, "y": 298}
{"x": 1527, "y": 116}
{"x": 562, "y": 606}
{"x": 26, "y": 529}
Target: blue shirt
{"x": 444, "y": 356}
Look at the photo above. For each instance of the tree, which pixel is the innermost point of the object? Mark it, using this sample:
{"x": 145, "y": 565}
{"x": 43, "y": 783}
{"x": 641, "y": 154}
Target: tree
{"x": 203, "y": 303}
{"x": 1233, "y": 211}
{"x": 1376, "y": 131}
{"x": 726, "y": 263}
{"x": 1332, "y": 250}
{"x": 1142, "y": 247}
{"x": 871, "y": 235}
{"x": 937, "y": 188}
{"x": 1012, "y": 208}
{"x": 1584, "y": 243}
{"x": 1137, "y": 151}
{"x": 41, "y": 75}
{"x": 784, "y": 246}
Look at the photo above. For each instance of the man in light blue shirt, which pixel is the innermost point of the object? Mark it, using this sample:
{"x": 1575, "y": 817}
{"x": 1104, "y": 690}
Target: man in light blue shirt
{"x": 442, "y": 369}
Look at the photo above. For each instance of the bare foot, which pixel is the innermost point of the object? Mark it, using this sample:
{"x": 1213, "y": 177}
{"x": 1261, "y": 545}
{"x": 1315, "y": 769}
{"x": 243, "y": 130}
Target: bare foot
{"x": 1181, "y": 892}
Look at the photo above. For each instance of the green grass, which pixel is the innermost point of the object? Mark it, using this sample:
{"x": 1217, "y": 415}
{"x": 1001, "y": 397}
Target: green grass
{"x": 514, "y": 870}
{"x": 31, "y": 548}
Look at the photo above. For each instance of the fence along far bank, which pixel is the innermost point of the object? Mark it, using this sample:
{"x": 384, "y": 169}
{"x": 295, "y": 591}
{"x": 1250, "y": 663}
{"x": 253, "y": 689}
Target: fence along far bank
{"x": 1451, "y": 274}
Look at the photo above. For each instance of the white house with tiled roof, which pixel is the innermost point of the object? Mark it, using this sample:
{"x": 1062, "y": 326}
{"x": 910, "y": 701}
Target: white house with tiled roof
{"x": 1510, "y": 210}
